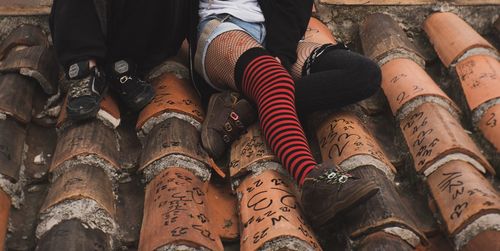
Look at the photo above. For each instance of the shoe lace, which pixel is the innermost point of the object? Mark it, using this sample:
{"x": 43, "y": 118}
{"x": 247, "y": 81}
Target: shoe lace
{"x": 80, "y": 87}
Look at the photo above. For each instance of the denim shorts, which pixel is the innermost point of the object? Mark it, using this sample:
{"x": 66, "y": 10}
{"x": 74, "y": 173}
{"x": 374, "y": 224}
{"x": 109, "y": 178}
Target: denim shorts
{"x": 228, "y": 23}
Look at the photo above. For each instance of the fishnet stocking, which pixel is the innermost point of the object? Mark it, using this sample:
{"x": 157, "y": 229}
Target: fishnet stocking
{"x": 304, "y": 50}
{"x": 223, "y": 53}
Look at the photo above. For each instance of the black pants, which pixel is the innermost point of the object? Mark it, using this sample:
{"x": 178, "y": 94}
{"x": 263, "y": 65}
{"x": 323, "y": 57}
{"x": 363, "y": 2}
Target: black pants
{"x": 338, "y": 78}
{"x": 143, "y": 31}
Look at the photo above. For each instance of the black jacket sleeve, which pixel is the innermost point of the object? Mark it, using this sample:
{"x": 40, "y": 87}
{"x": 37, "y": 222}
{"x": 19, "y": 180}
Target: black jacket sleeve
{"x": 286, "y": 23}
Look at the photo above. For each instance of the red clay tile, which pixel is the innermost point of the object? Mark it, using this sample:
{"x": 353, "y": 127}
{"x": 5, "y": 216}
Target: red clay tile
{"x": 451, "y": 36}
{"x": 487, "y": 240}
{"x": 12, "y": 137}
{"x": 109, "y": 112}
{"x": 404, "y": 82}
{"x": 381, "y": 36}
{"x": 4, "y": 217}
{"x": 222, "y": 205}
{"x": 172, "y": 136}
{"x": 82, "y": 182}
{"x": 249, "y": 149}
{"x": 434, "y": 137}
{"x": 269, "y": 211}
{"x": 24, "y": 35}
{"x": 462, "y": 194}
{"x": 318, "y": 32}
{"x": 37, "y": 62}
{"x": 83, "y": 139}
{"x": 343, "y": 139}
{"x": 73, "y": 234}
{"x": 383, "y": 241}
{"x": 176, "y": 213}
{"x": 437, "y": 243}
{"x": 173, "y": 94}
{"x": 16, "y": 96}
{"x": 480, "y": 79}
{"x": 489, "y": 125}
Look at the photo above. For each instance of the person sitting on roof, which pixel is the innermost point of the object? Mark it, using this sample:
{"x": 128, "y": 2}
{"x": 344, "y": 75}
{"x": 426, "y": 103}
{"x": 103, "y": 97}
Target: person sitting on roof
{"x": 250, "y": 46}
{"x": 117, "y": 42}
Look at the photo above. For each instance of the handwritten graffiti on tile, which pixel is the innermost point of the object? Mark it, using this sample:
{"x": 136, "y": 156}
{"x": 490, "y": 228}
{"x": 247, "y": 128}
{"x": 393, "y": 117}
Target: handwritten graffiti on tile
{"x": 490, "y": 126}
{"x": 343, "y": 136}
{"x": 176, "y": 210}
{"x": 461, "y": 192}
{"x": 269, "y": 209}
{"x": 480, "y": 78}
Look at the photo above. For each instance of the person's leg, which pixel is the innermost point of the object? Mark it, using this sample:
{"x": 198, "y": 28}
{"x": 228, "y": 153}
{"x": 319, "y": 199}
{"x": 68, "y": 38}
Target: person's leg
{"x": 76, "y": 32}
{"x": 79, "y": 42}
{"x": 336, "y": 78}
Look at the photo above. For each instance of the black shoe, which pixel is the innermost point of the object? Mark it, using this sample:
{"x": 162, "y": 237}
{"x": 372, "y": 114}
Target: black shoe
{"x": 133, "y": 91}
{"x": 87, "y": 87}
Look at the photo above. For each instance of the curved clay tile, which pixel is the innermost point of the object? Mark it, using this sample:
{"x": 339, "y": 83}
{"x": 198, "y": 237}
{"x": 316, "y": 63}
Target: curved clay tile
{"x": 16, "y": 96}
{"x": 489, "y": 125}
{"x": 318, "y": 32}
{"x": 270, "y": 214}
{"x": 176, "y": 213}
{"x": 451, "y": 36}
{"x": 383, "y": 241}
{"x": 82, "y": 181}
{"x": 248, "y": 151}
{"x": 223, "y": 211}
{"x": 463, "y": 197}
{"x": 174, "y": 94}
{"x": 343, "y": 139}
{"x": 434, "y": 137}
{"x": 37, "y": 62}
{"x": 12, "y": 138}
{"x": 480, "y": 79}
{"x": 25, "y": 35}
{"x": 406, "y": 86}
{"x": 173, "y": 137}
{"x": 73, "y": 233}
{"x": 4, "y": 217}
{"x": 91, "y": 139}
{"x": 487, "y": 240}
{"x": 381, "y": 36}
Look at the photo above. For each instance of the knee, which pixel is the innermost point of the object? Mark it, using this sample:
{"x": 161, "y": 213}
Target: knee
{"x": 370, "y": 76}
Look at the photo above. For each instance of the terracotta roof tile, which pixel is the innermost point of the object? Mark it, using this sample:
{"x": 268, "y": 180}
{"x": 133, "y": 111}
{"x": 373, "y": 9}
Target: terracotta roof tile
{"x": 489, "y": 125}
{"x": 223, "y": 211}
{"x": 434, "y": 137}
{"x": 480, "y": 79}
{"x": 4, "y": 217}
{"x": 91, "y": 139}
{"x": 176, "y": 213}
{"x": 452, "y": 37}
{"x": 24, "y": 35}
{"x": 383, "y": 39}
{"x": 16, "y": 98}
{"x": 317, "y": 32}
{"x": 462, "y": 196}
{"x": 12, "y": 137}
{"x": 486, "y": 240}
{"x": 270, "y": 216}
{"x": 79, "y": 182}
{"x": 37, "y": 62}
{"x": 383, "y": 241}
{"x": 173, "y": 96}
{"x": 343, "y": 139}
{"x": 406, "y": 86}
{"x": 248, "y": 151}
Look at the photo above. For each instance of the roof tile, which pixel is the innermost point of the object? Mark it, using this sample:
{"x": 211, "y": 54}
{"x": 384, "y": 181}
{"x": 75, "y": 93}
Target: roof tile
{"x": 383, "y": 241}
{"x": 176, "y": 213}
{"x": 12, "y": 137}
{"x": 16, "y": 97}
{"x": 223, "y": 211}
{"x": 109, "y": 113}
{"x": 452, "y": 37}
{"x": 4, "y": 217}
{"x": 25, "y": 35}
{"x": 489, "y": 125}
{"x": 434, "y": 137}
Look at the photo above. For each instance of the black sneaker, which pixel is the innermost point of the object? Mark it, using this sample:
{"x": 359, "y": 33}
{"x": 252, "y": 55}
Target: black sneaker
{"x": 87, "y": 87}
{"x": 133, "y": 91}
